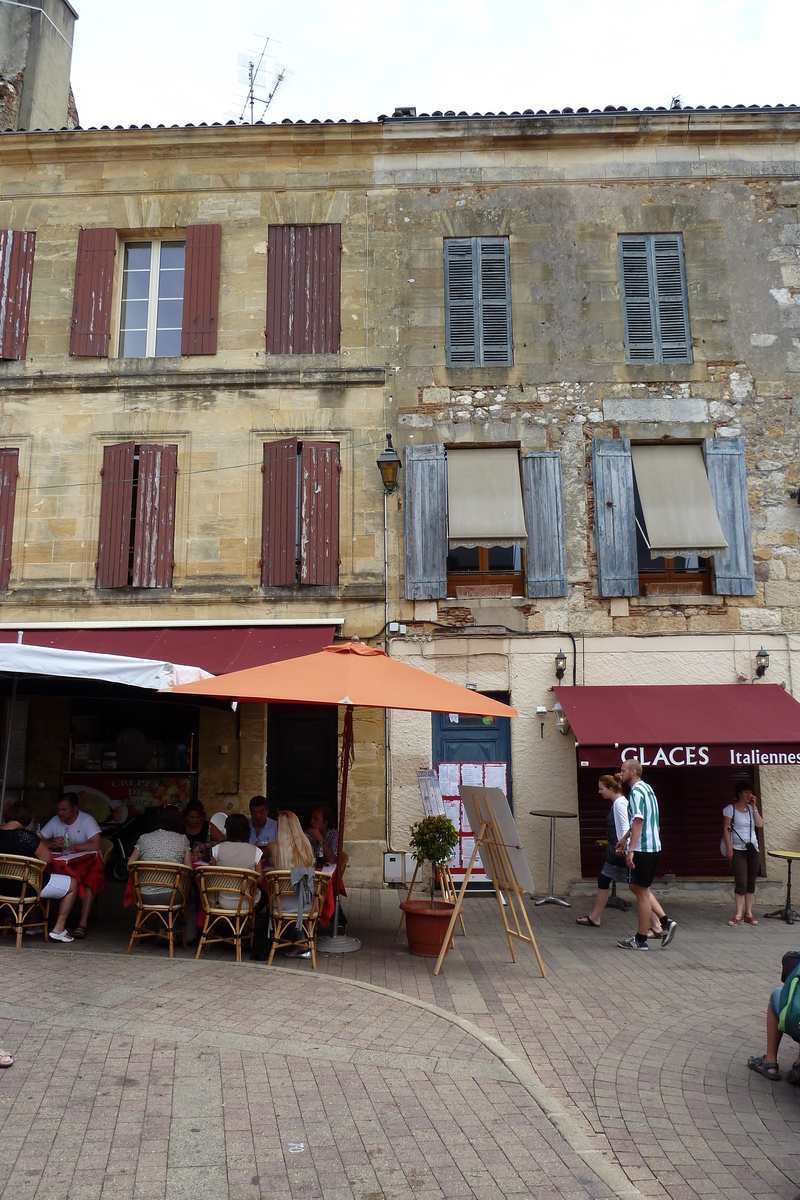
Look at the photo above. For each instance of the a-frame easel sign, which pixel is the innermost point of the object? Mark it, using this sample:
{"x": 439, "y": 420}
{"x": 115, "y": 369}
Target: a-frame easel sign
{"x": 498, "y": 842}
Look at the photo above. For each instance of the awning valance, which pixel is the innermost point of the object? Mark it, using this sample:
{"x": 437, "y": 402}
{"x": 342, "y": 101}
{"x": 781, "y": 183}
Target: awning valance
{"x": 112, "y": 668}
{"x": 679, "y": 512}
{"x": 713, "y": 725}
{"x": 484, "y": 498}
{"x": 216, "y": 648}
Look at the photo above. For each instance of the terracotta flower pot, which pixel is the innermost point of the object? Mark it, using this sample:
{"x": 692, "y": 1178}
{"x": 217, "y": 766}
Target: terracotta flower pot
{"x": 426, "y": 926}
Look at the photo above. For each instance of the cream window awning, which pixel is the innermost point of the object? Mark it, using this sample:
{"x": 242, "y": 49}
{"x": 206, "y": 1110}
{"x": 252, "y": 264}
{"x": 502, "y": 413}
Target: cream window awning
{"x": 484, "y": 498}
{"x": 678, "y": 508}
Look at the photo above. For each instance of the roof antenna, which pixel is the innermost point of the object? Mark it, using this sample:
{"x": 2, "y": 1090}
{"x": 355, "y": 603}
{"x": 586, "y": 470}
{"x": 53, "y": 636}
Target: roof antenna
{"x": 253, "y": 72}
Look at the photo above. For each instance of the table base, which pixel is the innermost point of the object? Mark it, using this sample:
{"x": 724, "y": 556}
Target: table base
{"x": 784, "y": 914}
{"x": 337, "y": 945}
{"x": 553, "y": 900}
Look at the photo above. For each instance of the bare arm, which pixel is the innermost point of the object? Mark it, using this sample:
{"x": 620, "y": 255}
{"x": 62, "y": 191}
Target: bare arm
{"x": 42, "y": 852}
{"x": 188, "y": 861}
{"x": 726, "y": 833}
{"x": 634, "y": 833}
{"x": 134, "y": 855}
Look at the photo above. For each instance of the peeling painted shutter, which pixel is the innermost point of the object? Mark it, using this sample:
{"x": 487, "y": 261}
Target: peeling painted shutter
{"x": 654, "y": 301}
{"x": 16, "y": 275}
{"x": 113, "y": 551}
{"x": 477, "y": 302}
{"x": 9, "y": 470}
{"x": 425, "y": 504}
{"x": 91, "y": 305}
{"x": 154, "y": 529}
{"x": 319, "y": 513}
{"x": 543, "y": 501}
{"x": 279, "y": 514}
{"x": 614, "y": 517}
{"x": 727, "y": 475}
{"x": 201, "y": 289}
{"x": 303, "y": 289}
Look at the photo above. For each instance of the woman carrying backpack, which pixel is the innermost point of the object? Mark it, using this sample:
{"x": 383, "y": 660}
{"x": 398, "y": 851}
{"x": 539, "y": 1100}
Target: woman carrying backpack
{"x": 739, "y": 845}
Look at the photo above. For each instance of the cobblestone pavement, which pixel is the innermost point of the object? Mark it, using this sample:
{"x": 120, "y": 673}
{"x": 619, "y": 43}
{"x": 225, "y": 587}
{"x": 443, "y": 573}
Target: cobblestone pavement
{"x": 620, "y": 1075}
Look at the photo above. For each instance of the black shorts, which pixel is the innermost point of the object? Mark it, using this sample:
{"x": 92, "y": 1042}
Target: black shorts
{"x": 644, "y": 868}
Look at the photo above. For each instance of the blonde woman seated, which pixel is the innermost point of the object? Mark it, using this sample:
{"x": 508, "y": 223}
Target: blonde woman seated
{"x": 236, "y": 851}
{"x": 291, "y": 850}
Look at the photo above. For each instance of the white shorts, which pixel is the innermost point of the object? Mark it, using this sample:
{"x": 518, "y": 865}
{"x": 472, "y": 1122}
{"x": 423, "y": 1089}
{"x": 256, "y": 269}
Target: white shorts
{"x": 56, "y": 887}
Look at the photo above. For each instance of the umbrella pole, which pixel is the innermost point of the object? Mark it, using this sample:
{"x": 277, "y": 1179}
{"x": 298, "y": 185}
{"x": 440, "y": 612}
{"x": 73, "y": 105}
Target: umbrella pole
{"x": 337, "y": 944}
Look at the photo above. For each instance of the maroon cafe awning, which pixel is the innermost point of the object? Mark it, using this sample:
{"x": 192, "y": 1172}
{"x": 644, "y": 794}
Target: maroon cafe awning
{"x": 714, "y": 725}
{"x": 216, "y": 648}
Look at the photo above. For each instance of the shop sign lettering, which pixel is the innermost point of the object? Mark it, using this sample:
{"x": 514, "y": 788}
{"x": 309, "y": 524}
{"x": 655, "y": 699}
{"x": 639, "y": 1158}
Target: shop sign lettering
{"x": 669, "y": 756}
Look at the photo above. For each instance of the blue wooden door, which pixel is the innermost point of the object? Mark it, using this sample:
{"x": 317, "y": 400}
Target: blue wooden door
{"x": 474, "y": 739}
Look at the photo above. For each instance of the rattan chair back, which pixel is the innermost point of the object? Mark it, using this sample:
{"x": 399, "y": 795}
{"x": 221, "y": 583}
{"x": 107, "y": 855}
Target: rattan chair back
{"x": 283, "y": 901}
{"x": 21, "y": 905}
{"x": 161, "y": 914}
{"x": 227, "y": 901}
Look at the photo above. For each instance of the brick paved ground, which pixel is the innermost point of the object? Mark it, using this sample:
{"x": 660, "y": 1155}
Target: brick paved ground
{"x": 618, "y": 1075}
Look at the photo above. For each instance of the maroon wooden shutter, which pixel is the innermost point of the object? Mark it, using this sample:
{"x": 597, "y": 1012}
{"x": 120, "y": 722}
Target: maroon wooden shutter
{"x": 154, "y": 530}
{"x": 319, "y": 513}
{"x": 113, "y": 550}
{"x": 279, "y": 514}
{"x": 91, "y": 305}
{"x": 16, "y": 274}
{"x": 9, "y": 469}
{"x": 303, "y": 289}
{"x": 201, "y": 290}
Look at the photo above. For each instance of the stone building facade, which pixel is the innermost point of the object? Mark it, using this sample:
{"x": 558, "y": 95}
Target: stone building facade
{"x": 527, "y": 213}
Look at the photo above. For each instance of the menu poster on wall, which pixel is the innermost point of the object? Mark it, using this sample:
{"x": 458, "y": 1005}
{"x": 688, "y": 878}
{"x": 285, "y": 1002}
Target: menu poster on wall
{"x": 103, "y": 795}
{"x": 451, "y": 778}
{"x": 431, "y": 793}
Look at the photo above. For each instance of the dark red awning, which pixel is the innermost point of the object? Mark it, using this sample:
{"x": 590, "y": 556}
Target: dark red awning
{"x": 714, "y": 725}
{"x": 216, "y": 648}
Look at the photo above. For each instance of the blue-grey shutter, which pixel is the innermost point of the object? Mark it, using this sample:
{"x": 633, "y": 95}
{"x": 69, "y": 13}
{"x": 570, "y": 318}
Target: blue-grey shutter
{"x": 672, "y": 309}
{"x": 727, "y": 475}
{"x": 495, "y": 303}
{"x": 460, "y": 290}
{"x": 543, "y": 501}
{"x": 425, "y": 503}
{"x": 637, "y": 300}
{"x": 614, "y": 517}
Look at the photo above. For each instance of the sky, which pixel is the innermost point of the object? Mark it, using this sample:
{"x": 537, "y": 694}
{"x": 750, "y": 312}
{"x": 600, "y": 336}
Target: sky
{"x": 177, "y": 61}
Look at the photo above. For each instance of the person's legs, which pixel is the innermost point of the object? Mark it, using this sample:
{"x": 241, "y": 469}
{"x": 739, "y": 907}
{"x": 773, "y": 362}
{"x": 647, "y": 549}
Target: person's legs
{"x": 65, "y": 907}
{"x": 600, "y": 901}
{"x": 739, "y": 865}
{"x": 767, "y": 1064}
{"x": 86, "y": 906}
{"x": 752, "y": 862}
{"x": 643, "y": 908}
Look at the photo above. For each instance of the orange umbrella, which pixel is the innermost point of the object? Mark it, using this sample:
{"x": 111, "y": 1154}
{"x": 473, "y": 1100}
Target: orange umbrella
{"x": 350, "y": 674}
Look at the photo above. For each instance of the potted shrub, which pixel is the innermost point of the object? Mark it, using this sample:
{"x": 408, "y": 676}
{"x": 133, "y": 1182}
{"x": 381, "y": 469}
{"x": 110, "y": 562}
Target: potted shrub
{"x": 433, "y": 840}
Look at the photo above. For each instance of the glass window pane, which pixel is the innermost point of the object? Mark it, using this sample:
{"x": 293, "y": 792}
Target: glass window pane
{"x": 173, "y": 255}
{"x": 168, "y": 343}
{"x": 134, "y": 314}
{"x": 133, "y": 343}
{"x": 135, "y": 285}
{"x": 137, "y": 256}
{"x": 170, "y": 284}
{"x": 169, "y": 314}
{"x": 503, "y": 558}
{"x": 463, "y": 558}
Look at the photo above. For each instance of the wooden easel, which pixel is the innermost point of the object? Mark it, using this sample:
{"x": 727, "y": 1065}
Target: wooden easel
{"x": 446, "y": 886}
{"x": 495, "y": 858}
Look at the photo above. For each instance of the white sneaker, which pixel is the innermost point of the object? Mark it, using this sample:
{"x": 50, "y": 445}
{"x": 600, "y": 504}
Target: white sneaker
{"x": 624, "y": 944}
{"x": 61, "y": 937}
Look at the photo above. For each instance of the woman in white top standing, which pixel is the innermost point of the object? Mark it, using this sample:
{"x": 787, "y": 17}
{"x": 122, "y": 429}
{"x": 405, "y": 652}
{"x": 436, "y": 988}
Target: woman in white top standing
{"x": 741, "y": 821}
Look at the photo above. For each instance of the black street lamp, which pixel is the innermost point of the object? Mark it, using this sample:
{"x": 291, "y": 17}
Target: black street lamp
{"x": 389, "y": 466}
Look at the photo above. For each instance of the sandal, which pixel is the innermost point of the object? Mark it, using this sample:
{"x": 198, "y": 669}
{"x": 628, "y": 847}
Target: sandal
{"x": 588, "y": 921}
{"x": 750, "y": 919}
{"x": 736, "y": 921}
{"x": 652, "y": 933}
{"x": 6, "y": 1059}
{"x": 759, "y": 1064}
{"x": 79, "y": 932}
{"x": 793, "y": 1075}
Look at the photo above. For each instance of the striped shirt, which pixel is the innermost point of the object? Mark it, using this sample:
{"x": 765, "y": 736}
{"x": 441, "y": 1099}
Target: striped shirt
{"x": 642, "y": 803}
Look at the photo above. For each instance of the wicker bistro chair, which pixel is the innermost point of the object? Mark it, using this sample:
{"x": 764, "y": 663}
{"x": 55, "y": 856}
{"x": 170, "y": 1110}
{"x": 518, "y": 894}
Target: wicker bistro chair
{"x": 239, "y": 889}
{"x": 27, "y": 908}
{"x": 282, "y": 901}
{"x": 161, "y": 915}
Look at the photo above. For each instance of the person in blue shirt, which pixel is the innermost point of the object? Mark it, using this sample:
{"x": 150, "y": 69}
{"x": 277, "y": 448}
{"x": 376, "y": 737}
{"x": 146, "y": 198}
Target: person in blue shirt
{"x": 263, "y": 829}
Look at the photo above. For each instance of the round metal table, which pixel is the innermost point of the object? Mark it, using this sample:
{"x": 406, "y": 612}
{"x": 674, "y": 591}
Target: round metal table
{"x": 787, "y": 913}
{"x": 554, "y": 816}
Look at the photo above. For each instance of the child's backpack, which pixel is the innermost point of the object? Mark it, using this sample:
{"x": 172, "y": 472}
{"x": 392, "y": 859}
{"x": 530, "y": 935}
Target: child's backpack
{"x": 789, "y": 1006}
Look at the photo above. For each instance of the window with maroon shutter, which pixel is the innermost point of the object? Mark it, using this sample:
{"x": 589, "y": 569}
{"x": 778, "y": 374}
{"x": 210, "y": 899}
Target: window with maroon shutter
{"x": 201, "y": 289}
{"x": 303, "y": 289}
{"x": 9, "y": 469}
{"x": 300, "y": 529}
{"x": 137, "y": 516}
{"x": 91, "y": 305}
{"x": 16, "y": 273}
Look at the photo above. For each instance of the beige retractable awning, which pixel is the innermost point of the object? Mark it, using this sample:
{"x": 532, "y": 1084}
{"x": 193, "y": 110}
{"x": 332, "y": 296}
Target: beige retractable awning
{"x": 484, "y": 498}
{"x": 677, "y": 505}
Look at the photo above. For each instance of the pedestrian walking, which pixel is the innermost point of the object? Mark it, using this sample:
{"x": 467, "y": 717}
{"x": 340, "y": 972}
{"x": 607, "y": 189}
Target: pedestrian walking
{"x": 741, "y": 821}
{"x": 615, "y": 868}
{"x": 642, "y": 846}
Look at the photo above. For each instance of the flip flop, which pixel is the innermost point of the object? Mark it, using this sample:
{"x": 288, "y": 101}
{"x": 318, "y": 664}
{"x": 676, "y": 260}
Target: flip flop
{"x": 79, "y": 932}
{"x": 6, "y": 1059}
{"x": 759, "y": 1064}
{"x": 587, "y": 921}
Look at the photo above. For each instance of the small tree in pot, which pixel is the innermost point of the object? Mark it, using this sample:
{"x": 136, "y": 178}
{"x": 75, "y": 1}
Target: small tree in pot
{"x": 433, "y": 840}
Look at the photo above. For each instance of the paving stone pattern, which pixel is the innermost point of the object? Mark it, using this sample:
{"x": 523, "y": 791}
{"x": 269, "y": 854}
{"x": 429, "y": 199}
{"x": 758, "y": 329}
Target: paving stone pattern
{"x": 618, "y": 1075}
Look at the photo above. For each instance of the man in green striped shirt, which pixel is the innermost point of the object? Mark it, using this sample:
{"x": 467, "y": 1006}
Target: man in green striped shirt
{"x": 642, "y": 846}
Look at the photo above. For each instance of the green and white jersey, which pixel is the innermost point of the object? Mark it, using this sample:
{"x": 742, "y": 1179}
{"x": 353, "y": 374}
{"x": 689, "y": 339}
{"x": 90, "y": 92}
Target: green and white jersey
{"x": 642, "y": 803}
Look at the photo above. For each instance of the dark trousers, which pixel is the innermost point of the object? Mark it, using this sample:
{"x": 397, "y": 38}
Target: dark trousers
{"x": 745, "y": 871}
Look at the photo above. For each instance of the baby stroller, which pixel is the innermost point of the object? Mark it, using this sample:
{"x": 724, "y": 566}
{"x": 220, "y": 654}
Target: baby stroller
{"x": 123, "y": 836}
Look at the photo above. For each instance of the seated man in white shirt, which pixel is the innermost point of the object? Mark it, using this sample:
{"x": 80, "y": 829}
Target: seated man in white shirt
{"x": 81, "y": 833}
{"x": 263, "y": 829}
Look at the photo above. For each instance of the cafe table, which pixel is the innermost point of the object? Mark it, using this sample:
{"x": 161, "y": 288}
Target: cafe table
{"x": 554, "y": 816}
{"x": 787, "y": 913}
{"x": 86, "y": 866}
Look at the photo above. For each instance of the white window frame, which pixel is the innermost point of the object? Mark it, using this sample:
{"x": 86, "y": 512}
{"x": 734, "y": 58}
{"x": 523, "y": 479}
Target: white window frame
{"x": 152, "y": 295}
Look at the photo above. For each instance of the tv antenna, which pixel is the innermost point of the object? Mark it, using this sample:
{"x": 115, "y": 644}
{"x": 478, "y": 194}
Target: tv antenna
{"x": 253, "y": 72}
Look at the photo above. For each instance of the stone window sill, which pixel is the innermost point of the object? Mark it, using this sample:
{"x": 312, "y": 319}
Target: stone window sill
{"x": 677, "y": 600}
